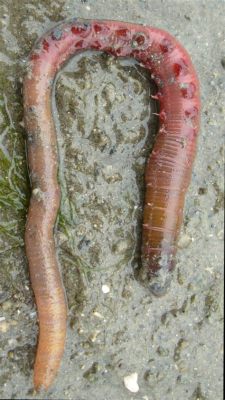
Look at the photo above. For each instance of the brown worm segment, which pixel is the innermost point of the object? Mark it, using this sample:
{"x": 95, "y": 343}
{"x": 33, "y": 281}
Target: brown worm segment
{"x": 168, "y": 170}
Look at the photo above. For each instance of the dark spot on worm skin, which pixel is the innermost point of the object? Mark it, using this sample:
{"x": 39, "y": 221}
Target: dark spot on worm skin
{"x": 30, "y": 138}
{"x": 138, "y": 40}
{"x": 34, "y": 56}
{"x": 78, "y": 29}
{"x": 191, "y": 112}
{"x": 51, "y": 81}
{"x": 110, "y": 50}
{"x": 97, "y": 28}
{"x": 180, "y": 68}
{"x": 45, "y": 45}
{"x": 118, "y": 51}
{"x": 35, "y": 180}
{"x": 123, "y": 33}
{"x": 33, "y": 138}
{"x": 31, "y": 109}
{"x": 101, "y": 29}
{"x": 79, "y": 44}
{"x": 166, "y": 46}
{"x": 159, "y": 82}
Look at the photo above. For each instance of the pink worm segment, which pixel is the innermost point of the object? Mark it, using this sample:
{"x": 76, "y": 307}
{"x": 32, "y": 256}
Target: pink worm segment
{"x": 168, "y": 169}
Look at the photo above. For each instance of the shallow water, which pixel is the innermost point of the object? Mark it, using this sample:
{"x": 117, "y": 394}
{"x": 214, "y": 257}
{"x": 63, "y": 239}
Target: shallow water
{"x": 106, "y": 130}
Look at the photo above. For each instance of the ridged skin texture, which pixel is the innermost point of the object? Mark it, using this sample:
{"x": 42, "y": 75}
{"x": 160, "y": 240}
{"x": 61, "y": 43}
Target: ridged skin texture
{"x": 168, "y": 169}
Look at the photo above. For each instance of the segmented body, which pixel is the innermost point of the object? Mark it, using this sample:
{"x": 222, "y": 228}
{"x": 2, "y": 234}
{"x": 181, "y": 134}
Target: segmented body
{"x": 168, "y": 169}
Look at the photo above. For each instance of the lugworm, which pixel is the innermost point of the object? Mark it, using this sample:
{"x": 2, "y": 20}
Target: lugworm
{"x": 168, "y": 169}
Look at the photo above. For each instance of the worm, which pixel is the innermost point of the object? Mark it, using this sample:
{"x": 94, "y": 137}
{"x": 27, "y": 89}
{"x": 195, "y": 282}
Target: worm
{"x": 168, "y": 170}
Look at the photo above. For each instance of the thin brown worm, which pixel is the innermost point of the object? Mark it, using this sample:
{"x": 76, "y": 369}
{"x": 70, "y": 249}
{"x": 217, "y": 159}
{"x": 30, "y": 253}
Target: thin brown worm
{"x": 168, "y": 170}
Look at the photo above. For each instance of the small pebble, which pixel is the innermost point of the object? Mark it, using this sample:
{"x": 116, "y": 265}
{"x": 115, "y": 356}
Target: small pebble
{"x": 4, "y": 326}
{"x": 38, "y": 194}
{"x": 220, "y": 234}
{"x": 121, "y": 246}
{"x": 181, "y": 366}
{"x": 184, "y": 241}
{"x": 94, "y": 336}
{"x": 98, "y": 315}
{"x": 105, "y": 289}
{"x": 12, "y": 342}
{"x": 81, "y": 230}
{"x": 130, "y": 382}
{"x": 6, "y": 305}
{"x": 110, "y": 93}
{"x": 33, "y": 314}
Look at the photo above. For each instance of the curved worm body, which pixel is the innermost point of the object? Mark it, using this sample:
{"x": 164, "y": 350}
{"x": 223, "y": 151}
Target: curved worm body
{"x": 168, "y": 168}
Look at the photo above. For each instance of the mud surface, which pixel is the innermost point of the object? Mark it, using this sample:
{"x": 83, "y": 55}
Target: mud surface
{"x": 116, "y": 327}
